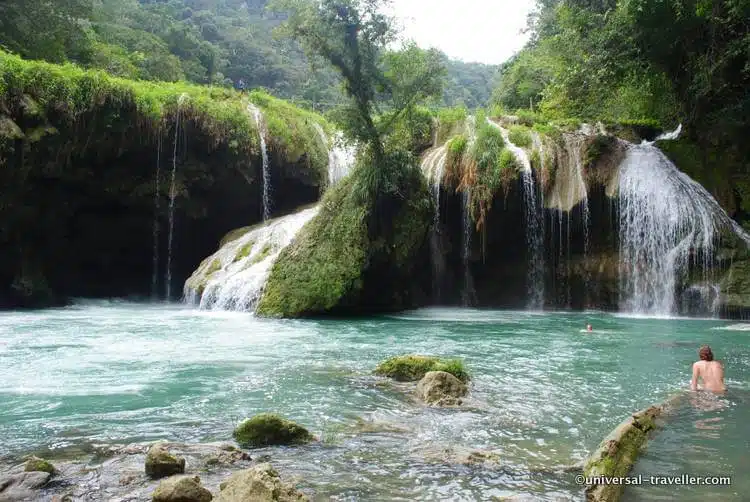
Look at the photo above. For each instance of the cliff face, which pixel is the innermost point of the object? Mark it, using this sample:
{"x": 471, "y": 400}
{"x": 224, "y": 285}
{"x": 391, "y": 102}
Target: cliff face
{"x": 86, "y": 165}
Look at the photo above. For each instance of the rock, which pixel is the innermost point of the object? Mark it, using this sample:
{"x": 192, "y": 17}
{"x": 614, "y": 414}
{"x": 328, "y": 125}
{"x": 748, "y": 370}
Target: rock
{"x": 268, "y": 429}
{"x": 439, "y": 388}
{"x": 160, "y": 464}
{"x": 22, "y": 485}
{"x": 181, "y": 489}
{"x": 36, "y": 464}
{"x": 259, "y": 484}
{"x": 411, "y": 368}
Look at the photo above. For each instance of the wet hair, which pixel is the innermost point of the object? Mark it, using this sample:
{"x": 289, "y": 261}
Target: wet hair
{"x": 705, "y": 353}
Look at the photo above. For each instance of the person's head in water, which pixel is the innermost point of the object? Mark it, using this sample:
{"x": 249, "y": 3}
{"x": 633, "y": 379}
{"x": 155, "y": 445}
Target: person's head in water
{"x": 705, "y": 353}
{"x": 589, "y": 328}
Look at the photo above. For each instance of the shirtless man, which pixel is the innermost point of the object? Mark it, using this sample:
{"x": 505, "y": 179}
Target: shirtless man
{"x": 710, "y": 371}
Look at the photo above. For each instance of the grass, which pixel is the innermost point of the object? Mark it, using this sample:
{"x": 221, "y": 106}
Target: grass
{"x": 450, "y": 122}
{"x": 520, "y": 136}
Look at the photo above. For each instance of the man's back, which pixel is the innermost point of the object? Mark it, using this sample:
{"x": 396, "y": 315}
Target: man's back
{"x": 712, "y": 374}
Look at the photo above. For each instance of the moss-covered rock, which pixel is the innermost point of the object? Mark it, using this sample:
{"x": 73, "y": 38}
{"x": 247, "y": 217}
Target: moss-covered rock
{"x": 337, "y": 266}
{"x": 160, "y": 463}
{"x": 181, "y": 489}
{"x": 439, "y": 388}
{"x": 36, "y": 464}
{"x": 259, "y": 484}
{"x": 411, "y": 368}
{"x": 267, "y": 429}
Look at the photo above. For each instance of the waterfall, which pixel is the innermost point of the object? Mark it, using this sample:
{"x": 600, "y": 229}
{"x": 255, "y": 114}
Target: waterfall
{"x": 234, "y": 277}
{"x": 258, "y": 115}
{"x": 157, "y": 195}
{"x": 173, "y": 195}
{"x": 433, "y": 167}
{"x": 534, "y": 225}
{"x": 467, "y": 294}
{"x": 668, "y": 223}
{"x": 341, "y": 156}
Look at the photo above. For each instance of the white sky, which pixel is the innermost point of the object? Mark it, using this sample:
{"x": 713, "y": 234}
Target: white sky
{"x": 484, "y": 31}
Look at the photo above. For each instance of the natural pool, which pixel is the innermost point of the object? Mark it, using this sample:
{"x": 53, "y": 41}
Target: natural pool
{"x": 544, "y": 394}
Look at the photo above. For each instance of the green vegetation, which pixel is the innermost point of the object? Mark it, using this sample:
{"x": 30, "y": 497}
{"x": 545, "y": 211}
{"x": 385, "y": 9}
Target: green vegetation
{"x": 244, "y": 251}
{"x": 410, "y": 368}
{"x": 263, "y": 254}
{"x": 36, "y": 464}
{"x": 451, "y": 121}
{"x": 268, "y": 429}
{"x": 411, "y": 132}
{"x": 520, "y": 136}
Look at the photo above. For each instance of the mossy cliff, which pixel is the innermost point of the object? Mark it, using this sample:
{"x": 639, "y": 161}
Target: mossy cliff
{"x": 79, "y": 156}
{"x": 336, "y": 266}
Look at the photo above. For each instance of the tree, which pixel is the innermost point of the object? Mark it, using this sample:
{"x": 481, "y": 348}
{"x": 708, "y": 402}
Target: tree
{"x": 353, "y": 35}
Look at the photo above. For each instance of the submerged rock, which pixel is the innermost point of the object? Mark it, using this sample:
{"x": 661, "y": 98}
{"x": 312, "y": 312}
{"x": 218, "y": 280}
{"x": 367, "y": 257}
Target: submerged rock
{"x": 268, "y": 429}
{"x": 36, "y": 464}
{"x": 160, "y": 463}
{"x": 411, "y": 368}
{"x": 182, "y": 489}
{"x": 259, "y": 484}
{"x": 439, "y": 388}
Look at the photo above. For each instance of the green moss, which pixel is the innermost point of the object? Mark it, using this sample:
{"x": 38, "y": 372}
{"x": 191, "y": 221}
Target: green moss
{"x": 263, "y": 254}
{"x": 520, "y": 136}
{"x": 410, "y": 368}
{"x": 335, "y": 264}
{"x": 267, "y": 429}
{"x": 244, "y": 251}
{"x": 214, "y": 267}
{"x": 36, "y": 464}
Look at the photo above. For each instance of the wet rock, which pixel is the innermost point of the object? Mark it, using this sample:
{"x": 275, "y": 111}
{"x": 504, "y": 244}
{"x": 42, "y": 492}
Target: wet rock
{"x": 439, "y": 388}
{"x": 457, "y": 455}
{"x": 181, "y": 489}
{"x": 36, "y": 464}
{"x": 160, "y": 463}
{"x": 411, "y": 368}
{"x": 269, "y": 429}
{"x": 259, "y": 484}
{"x": 22, "y": 485}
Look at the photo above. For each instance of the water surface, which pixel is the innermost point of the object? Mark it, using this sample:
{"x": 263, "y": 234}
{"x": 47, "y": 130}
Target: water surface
{"x": 544, "y": 394}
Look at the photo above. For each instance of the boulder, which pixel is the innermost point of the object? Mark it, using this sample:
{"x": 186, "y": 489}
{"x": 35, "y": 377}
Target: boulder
{"x": 411, "y": 367}
{"x": 36, "y": 464}
{"x": 21, "y": 485}
{"x": 259, "y": 484}
{"x": 268, "y": 429}
{"x": 439, "y": 388}
{"x": 160, "y": 463}
{"x": 181, "y": 489}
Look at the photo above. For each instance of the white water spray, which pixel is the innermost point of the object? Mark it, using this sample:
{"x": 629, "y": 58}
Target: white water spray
{"x": 173, "y": 194}
{"x": 433, "y": 167}
{"x": 234, "y": 277}
{"x": 341, "y": 156}
{"x": 668, "y": 222}
{"x": 266, "y": 172}
{"x": 533, "y": 222}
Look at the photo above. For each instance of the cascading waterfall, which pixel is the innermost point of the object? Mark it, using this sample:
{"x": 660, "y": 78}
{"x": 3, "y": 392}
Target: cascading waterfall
{"x": 258, "y": 115}
{"x": 157, "y": 208}
{"x": 668, "y": 222}
{"x": 173, "y": 195}
{"x": 233, "y": 278}
{"x": 433, "y": 167}
{"x": 341, "y": 156}
{"x": 467, "y": 294}
{"x": 534, "y": 224}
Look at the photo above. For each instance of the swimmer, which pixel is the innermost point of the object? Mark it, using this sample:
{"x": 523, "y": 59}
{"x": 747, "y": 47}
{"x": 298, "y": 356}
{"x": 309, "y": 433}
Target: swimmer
{"x": 589, "y": 328}
{"x": 708, "y": 370}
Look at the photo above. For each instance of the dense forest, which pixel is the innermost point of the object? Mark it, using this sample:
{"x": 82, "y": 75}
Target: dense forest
{"x": 661, "y": 62}
{"x": 218, "y": 42}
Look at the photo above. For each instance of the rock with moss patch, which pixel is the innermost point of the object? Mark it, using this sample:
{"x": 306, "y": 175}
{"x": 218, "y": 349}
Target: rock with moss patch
{"x": 160, "y": 463}
{"x": 181, "y": 489}
{"x": 36, "y": 464}
{"x": 439, "y": 388}
{"x": 259, "y": 484}
{"x": 268, "y": 429}
{"x": 342, "y": 263}
{"x": 412, "y": 367}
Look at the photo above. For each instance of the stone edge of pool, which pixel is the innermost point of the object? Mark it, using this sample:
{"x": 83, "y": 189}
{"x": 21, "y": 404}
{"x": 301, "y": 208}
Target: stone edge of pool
{"x": 617, "y": 453}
